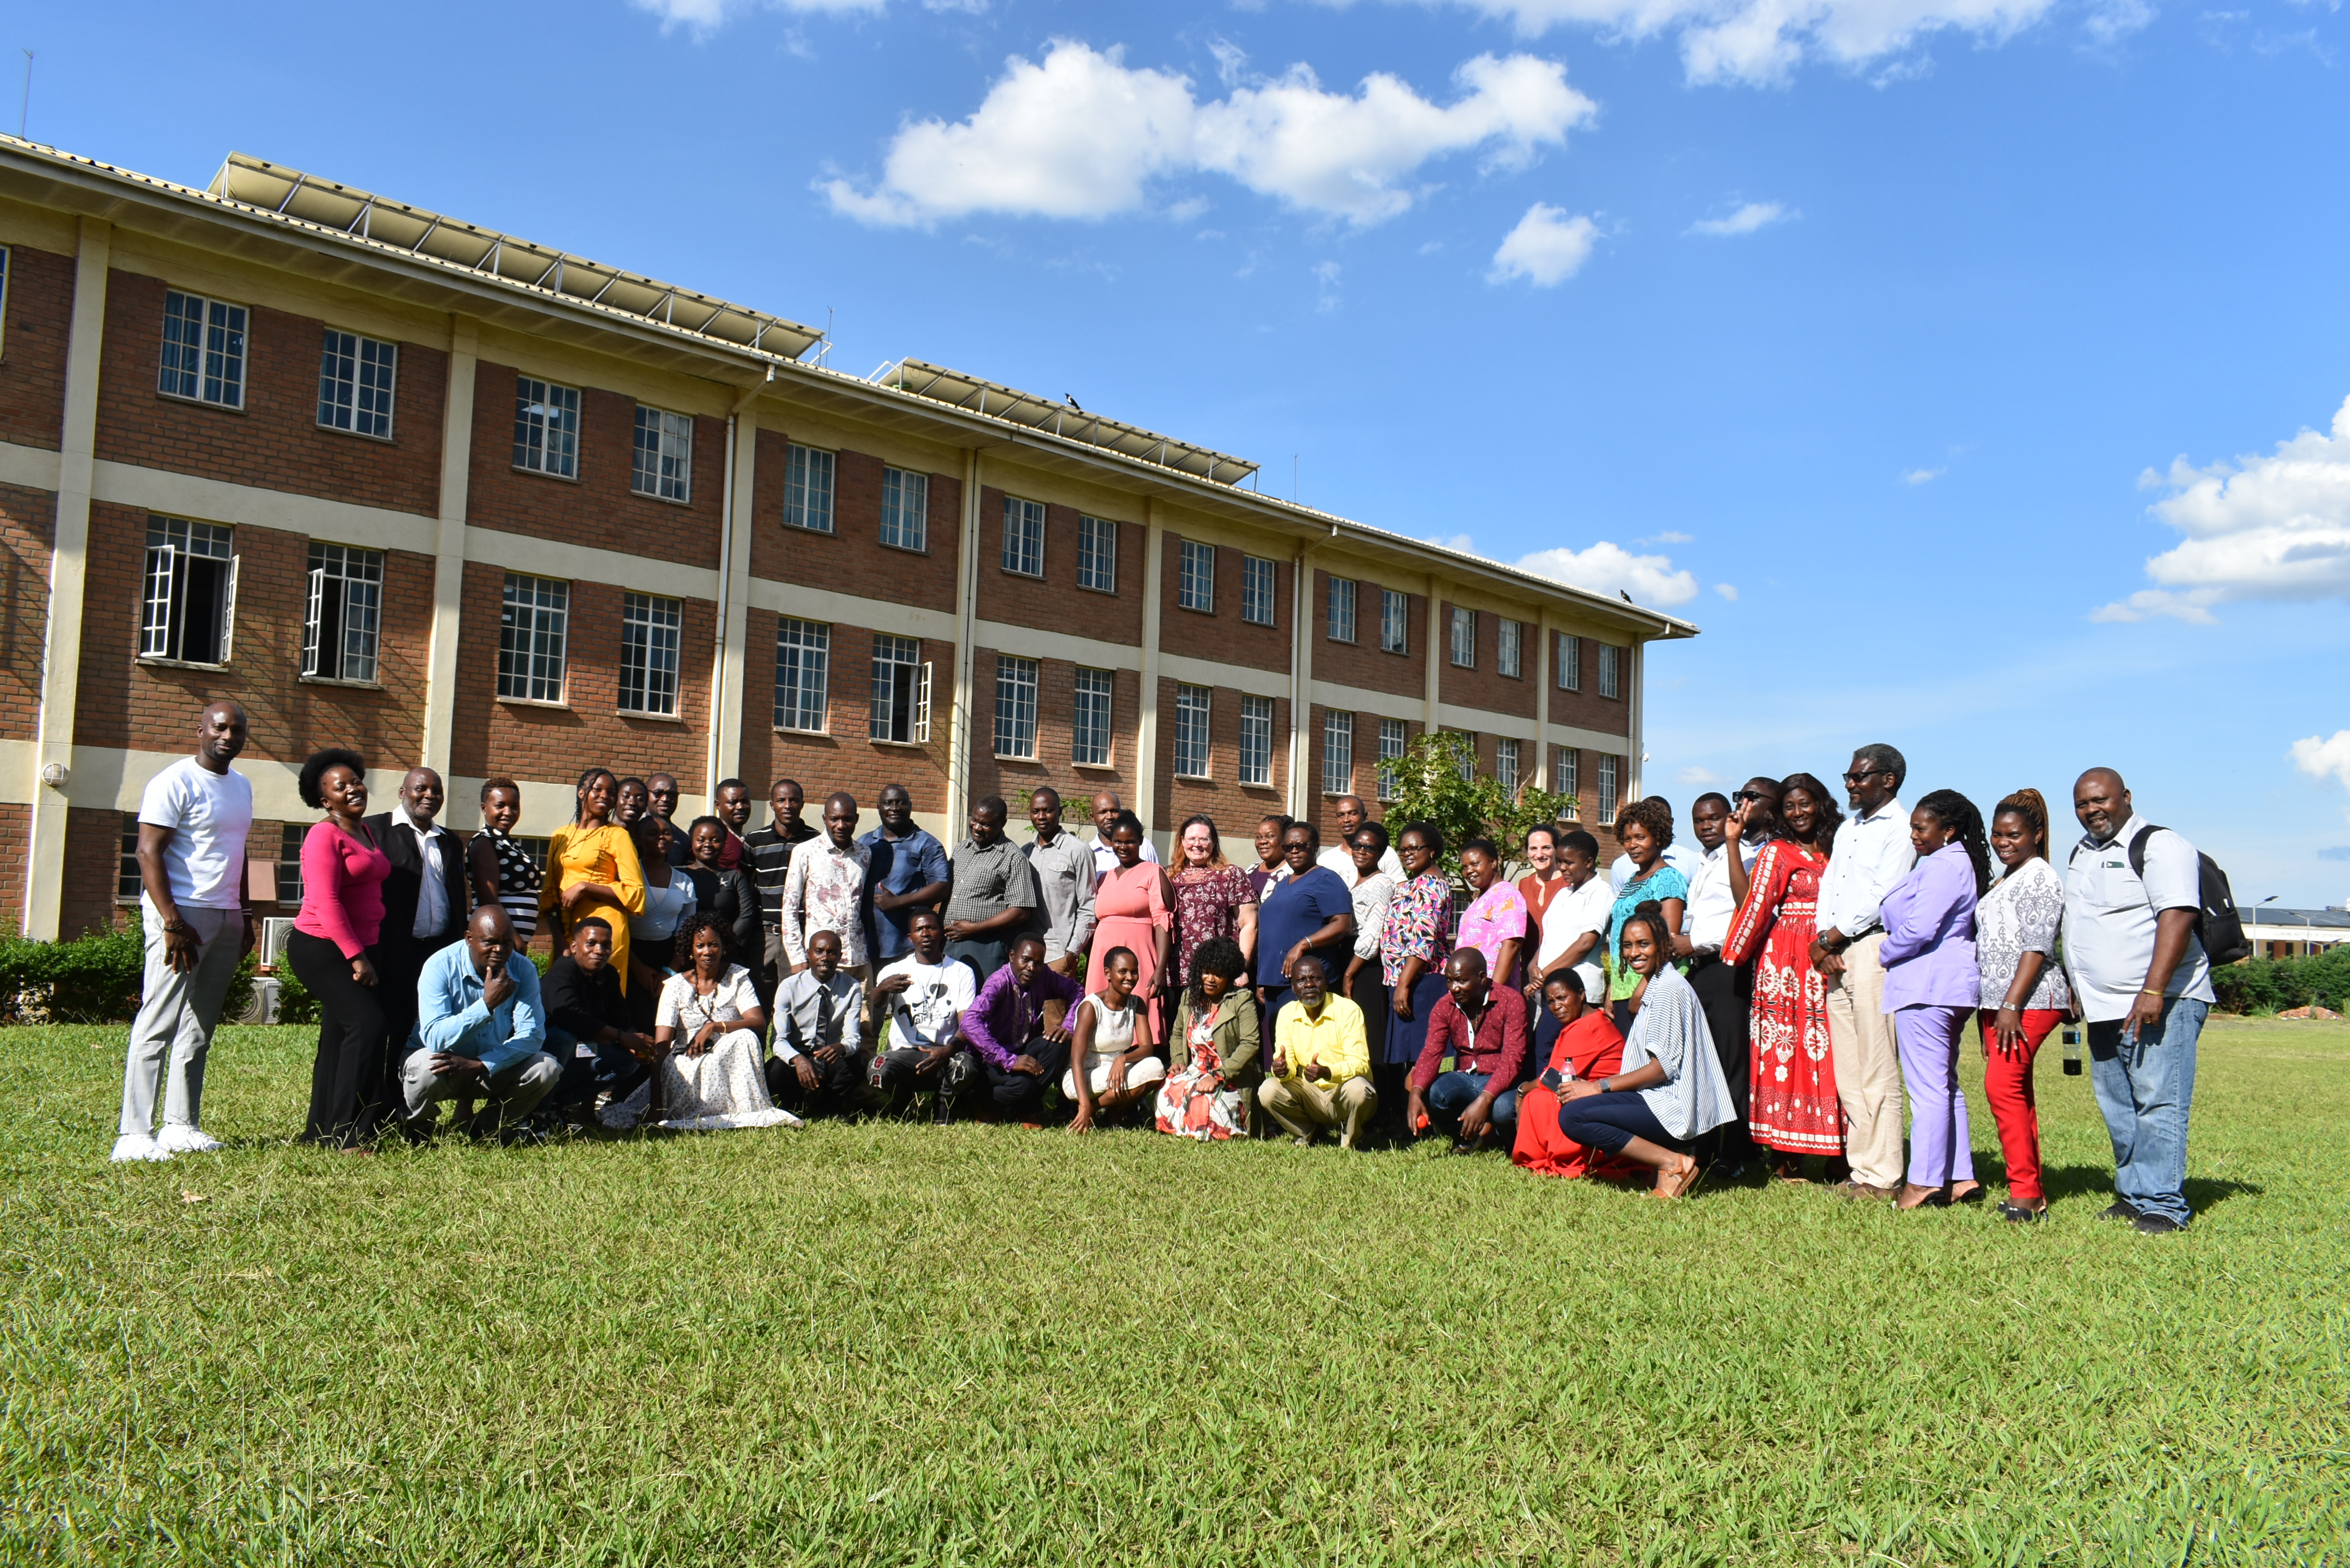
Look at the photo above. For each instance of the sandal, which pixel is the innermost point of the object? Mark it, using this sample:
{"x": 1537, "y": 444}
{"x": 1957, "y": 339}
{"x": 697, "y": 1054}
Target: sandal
{"x": 1671, "y": 1184}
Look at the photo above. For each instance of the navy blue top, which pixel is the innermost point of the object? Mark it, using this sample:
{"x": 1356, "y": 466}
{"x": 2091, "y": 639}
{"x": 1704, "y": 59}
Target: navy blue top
{"x": 1295, "y": 911}
{"x": 914, "y": 861}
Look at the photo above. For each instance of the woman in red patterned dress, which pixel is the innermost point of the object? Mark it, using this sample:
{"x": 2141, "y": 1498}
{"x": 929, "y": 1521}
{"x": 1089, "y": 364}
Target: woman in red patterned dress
{"x": 1793, "y": 1109}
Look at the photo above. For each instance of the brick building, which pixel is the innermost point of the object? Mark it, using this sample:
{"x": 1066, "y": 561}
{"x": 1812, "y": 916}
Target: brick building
{"x": 401, "y": 484}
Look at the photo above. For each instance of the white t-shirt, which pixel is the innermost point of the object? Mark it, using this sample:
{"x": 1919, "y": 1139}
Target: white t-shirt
{"x": 1106, "y": 858}
{"x": 925, "y": 1012}
{"x": 2110, "y": 920}
{"x": 1570, "y": 915}
{"x": 1341, "y": 859}
{"x": 209, "y": 815}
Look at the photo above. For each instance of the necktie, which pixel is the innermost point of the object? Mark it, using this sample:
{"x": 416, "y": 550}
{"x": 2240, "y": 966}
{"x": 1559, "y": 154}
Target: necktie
{"x": 825, "y": 1034}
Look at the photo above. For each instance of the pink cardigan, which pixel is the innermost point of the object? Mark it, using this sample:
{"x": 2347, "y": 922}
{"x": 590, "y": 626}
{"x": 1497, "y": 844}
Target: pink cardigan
{"x": 342, "y": 890}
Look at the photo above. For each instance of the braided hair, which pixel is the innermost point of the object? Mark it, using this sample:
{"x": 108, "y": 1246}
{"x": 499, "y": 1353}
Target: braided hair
{"x": 2033, "y": 807}
{"x": 1956, "y": 812}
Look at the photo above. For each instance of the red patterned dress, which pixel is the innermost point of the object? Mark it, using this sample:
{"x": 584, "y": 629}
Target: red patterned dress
{"x": 1793, "y": 1106}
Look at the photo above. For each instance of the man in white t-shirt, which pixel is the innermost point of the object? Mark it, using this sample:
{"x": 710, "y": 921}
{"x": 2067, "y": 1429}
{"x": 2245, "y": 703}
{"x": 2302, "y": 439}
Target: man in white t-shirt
{"x": 1340, "y": 855}
{"x": 1575, "y": 925}
{"x": 923, "y": 996}
{"x": 193, "y": 823}
{"x": 2143, "y": 984}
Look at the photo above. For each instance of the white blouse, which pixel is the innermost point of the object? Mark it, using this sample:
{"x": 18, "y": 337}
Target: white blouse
{"x": 685, "y": 1009}
{"x": 2020, "y": 914}
{"x": 1371, "y": 896}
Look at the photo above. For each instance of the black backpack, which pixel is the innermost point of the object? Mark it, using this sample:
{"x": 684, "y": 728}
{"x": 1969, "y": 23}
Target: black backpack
{"x": 2218, "y": 925}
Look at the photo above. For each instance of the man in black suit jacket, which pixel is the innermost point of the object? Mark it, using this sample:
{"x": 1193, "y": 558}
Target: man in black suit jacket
{"x": 412, "y": 841}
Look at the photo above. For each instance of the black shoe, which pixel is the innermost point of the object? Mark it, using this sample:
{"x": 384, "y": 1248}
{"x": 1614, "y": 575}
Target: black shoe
{"x": 2016, "y": 1213}
{"x": 2122, "y": 1210}
{"x": 2156, "y": 1225}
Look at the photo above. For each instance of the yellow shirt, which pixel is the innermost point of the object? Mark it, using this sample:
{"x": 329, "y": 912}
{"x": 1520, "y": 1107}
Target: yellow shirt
{"x": 605, "y": 855}
{"x": 1335, "y": 1039}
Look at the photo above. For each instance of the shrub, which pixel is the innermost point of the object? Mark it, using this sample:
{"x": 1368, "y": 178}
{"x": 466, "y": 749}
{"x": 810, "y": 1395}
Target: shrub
{"x": 295, "y": 1002}
{"x": 94, "y": 979}
{"x": 2270, "y": 985}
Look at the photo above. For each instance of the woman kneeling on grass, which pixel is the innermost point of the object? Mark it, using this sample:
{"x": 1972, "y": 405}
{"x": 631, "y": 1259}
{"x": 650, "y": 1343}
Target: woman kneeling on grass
{"x": 1214, "y": 1048}
{"x": 1576, "y": 1042}
{"x": 1110, "y": 1064}
{"x": 1673, "y": 1089}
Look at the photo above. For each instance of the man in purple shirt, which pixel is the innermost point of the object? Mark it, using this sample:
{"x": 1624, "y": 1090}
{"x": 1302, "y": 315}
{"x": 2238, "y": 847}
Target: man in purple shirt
{"x": 1020, "y": 1051}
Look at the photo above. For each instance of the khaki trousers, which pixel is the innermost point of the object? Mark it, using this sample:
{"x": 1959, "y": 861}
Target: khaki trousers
{"x": 1867, "y": 1066}
{"x": 1303, "y": 1109}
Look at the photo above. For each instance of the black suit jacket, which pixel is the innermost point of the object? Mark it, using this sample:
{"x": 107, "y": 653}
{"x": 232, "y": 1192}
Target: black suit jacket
{"x": 402, "y": 888}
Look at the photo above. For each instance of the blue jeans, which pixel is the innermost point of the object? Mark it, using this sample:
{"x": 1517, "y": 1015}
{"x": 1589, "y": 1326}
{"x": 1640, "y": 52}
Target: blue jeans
{"x": 584, "y": 1078}
{"x": 1612, "y": 1119}
{"x": 1450, "y": 1094}
{"x": 2144, "y": 1088}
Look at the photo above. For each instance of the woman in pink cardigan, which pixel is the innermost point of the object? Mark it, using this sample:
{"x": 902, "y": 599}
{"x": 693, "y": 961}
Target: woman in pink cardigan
{"x": 333, "y": 947}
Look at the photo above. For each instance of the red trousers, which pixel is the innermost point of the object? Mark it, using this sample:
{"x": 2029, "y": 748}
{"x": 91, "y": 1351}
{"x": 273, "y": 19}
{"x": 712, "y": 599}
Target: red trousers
{"x": 2007, "y": 1085}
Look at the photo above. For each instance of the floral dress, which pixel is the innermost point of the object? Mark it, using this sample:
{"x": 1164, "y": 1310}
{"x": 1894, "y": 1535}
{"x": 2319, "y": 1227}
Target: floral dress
{"x": 1208, "y": 901}
{"x": 1418, "y": 926}
{"x": 1793, "y": 1105}
{"x": 1195, "y": 1101}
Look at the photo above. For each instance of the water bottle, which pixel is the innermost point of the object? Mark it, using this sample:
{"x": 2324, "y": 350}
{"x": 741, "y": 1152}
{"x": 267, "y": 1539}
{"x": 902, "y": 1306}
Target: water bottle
{"x": 2071, "y": 1050}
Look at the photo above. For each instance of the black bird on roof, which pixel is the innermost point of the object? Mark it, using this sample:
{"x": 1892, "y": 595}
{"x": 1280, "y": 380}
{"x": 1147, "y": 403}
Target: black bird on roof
{"x": 1074, "y": 403}
{"x": 1625, "y": 596}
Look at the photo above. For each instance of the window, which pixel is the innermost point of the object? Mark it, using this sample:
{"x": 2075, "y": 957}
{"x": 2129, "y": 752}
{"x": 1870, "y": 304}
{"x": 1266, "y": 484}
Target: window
{"x": 1468, "y": 766}
{"x": 1341, "y": 617}
{"x": 1606, "y": 787}
{"x": 1394, "y": 737}
{"x": 1016, "y": 707}
{"x": 905, "y": 509}
{"x": 1337, "y": 752}
{"x": 189, "y": 605}
{"x": 533, "y": 631}
{"x": 803, "y": 660}
{"x": 649, "y": 628}
{"x": 289, "y": 862}
{"x": 1089, "y": 735}
{"x": 345, "y": 613}
{"x": 1097, "y": 555}
{"x": 1464, "y": 637}
{"x": 1191, "y": 730}
{"x": 1505, "y": 766}
{"x": 127, "y": 885}
{"x": 1024, "y": 537}
{"x": 203, "y": 351}
{"x": 546, "y": 427}
{"x": 355, "y": 384}
{"x": 807, "y": 489}
{"x": 1610, "y": 658}
{"x": 1507, "y": 657}
{"x": 664, "y": 455}
{"x": 1566, "y": 778}
{"x": 1395, "y": 621}
{"x": 1256, "y": 739}
{"x": 1256, "y": 590}
{"x": 1570, "y": 663}
{"x": 901, "y": 693}
{"x": 1195, "y": 588}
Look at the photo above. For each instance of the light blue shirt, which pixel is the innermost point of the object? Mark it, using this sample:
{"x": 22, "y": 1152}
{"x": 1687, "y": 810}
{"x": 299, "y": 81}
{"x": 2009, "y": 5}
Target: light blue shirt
{"x": 449, "y": 1015}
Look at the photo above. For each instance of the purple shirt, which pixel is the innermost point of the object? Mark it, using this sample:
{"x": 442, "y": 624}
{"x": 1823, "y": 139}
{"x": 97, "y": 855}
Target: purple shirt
{"x": 1930, "y": 934}
{"x": 1004, "y": 1018}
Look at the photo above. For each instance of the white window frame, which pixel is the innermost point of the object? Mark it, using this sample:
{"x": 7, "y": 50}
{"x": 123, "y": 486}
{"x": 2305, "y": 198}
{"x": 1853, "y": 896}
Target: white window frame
{"x": 1195, "y": 576}
{"x": 1395, "y": 621}
{"x": 1395, "y": 739}
{"x": 546, "y": 427}
{"x": 1092, "y": 714}
{"x": 7, "y": 265}
{"x": 358, "y": 380}
{"x": 1337, "y": 751}
{"x": 1194, "y": 720}
{"x": 1570, "y": 663}
{"x": 1611, "y": 670}
{"x": 1097, "y": 554}
{"x": 1509, "y": 654}
{"x": 1016, "y": 708}
{"x": 179, "y": 551}
{"x": 1610, "y": 787}
{"x": 802, "y": 702}
{"x": 1463, "y": 638}
{"x": 128, "y": 882}
{"x": 1505, "y": 764}
{"x": 652, "y": 635}
{"x": 1260, "y": 586}
{"x": 346, "y": 588}
{"x": 1469, "y": 763}
{"x": 808, "y": 475}
{"x": 534, "y": 637}
{"x": 900, "y": 709}
{"x": 906, "y": 510}
{"x": 1023, "y": 554}
{"x": 1256, "y": 741}
{"x": 210, "y": 368}
{"x": 1566, "y": 771}
{"x": 662, "y": 466}
{"x": 1339, "y": 615}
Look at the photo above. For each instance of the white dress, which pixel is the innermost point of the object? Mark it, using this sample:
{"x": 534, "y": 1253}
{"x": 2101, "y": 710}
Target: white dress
{"x": 1113, "y": 1038}
{"x": 720, "y": 1088}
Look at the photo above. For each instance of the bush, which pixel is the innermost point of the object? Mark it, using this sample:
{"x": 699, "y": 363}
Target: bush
{"x": 295, "y": 1002}
{"x": 2271, "y": 985}
{"x": 95, "y": 979}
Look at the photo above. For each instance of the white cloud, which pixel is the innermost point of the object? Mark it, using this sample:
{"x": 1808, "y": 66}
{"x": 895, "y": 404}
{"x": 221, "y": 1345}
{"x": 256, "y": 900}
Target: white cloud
{"x": 1727, "y": 591}
{"x": 1923, "y": 475}
{"x": 2324, "y": 759}
{"x": 1547, "y": 248}
{"x": 1754, "y": 215}
{"x": 1081, "y": 135}
{"x": 2272, "y": 527}
{"x": 1608, "y": 568}
{"x": 705, "y": 15}
{"x": 1669, "y": 536}
{"x": 1697, "y": 775}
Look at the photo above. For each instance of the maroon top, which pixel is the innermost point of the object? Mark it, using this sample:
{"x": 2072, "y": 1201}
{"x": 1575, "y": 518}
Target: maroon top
{"x": 342, "y": 890}
{"x": 1207, "y": 906}
{"x": 1501, "y": 1041}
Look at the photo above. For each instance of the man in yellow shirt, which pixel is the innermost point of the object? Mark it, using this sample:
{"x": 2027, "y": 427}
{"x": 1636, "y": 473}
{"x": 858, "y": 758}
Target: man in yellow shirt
{"x": 1321, "y": 1061}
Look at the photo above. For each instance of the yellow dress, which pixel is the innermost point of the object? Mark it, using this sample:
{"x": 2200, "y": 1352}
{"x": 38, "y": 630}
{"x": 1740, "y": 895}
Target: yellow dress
{"x": 604, "y": 855}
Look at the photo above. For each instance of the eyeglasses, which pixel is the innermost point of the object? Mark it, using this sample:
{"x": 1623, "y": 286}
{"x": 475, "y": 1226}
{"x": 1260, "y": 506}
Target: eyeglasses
{"x": 1870, "y": 773}
{"x": 1750, "y": 795}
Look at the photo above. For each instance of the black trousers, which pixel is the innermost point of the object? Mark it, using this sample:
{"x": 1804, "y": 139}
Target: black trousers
{"x": 839, "y": 1089}
{"x": 1726, "y": 992}
{"x": 1010, "y": 1094}
{"x": 612, "y": 1068}
{"x": 347, "y": 1081}
{"x": 894, "y": 1083}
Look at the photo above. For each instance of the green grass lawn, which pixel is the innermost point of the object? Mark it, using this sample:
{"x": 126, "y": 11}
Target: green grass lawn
{"x": 889, "y": 1344}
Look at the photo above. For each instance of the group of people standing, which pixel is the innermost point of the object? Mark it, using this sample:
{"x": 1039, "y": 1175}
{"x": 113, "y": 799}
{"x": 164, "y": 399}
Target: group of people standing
{"x": 1767, "y": 994}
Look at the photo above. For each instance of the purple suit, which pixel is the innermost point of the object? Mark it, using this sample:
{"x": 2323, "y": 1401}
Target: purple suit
{"x": 1931, "y": 986}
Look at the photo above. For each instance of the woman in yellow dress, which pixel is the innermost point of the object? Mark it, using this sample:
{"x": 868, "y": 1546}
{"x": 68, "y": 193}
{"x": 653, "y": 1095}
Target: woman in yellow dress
{"x": 593, "y": 870}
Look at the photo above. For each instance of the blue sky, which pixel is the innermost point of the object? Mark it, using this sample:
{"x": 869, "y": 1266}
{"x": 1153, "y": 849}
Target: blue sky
{"x": 1966, "y": 369}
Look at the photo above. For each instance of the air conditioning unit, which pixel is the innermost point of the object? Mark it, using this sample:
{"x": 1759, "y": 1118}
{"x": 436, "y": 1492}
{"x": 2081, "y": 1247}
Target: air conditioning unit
{"x": 275, "y": 930}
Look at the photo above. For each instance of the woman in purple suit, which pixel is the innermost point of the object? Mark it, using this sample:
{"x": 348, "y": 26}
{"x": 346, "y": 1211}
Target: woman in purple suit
{"x": 1930, "y": 984}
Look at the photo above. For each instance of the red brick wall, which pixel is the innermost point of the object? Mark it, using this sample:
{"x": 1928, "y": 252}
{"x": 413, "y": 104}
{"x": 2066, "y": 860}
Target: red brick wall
{"x": 1486, "y": 687}
{"x": 1236, "y": 807}
{"x": 27, "y": 518}
{"x": 1055, "y": 602}
{"x": 1056, "y": 710}
{"x": 845, "y": 756}
{"x": 93, "y": 859}
{"x": 598, "y": 508}
{"x": 1587, "y": 708}
{"x": 33, "y": 359}
{"x": 15, "y": 825}
{"x": 852, "y": 559}
{"x": 1360, "y": 662}
{"x": 1224, "y": 635}
{"x": 274, "y": 442}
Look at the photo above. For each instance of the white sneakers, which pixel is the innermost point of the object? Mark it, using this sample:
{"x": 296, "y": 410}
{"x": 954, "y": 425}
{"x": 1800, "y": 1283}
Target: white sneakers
{"x": 175, "y": 1138}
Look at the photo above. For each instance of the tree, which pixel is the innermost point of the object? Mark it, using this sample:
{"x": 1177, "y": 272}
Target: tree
{"x": 1436, "y": 780}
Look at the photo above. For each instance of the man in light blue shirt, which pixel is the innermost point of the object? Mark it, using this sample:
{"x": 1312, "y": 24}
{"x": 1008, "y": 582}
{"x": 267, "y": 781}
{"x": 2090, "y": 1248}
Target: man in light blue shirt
{"x": 1872, "y": 858}
{"x": 480, "y": 1027}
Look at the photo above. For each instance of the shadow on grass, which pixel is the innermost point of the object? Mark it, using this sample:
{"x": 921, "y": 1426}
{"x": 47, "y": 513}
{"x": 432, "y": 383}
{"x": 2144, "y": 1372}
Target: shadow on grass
{"x": 2203, "y": 1193}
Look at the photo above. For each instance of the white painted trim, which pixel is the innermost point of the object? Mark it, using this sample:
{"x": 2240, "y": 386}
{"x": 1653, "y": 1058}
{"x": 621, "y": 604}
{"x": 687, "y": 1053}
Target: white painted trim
{"x": 579, "y": 563}
{"x": 1148, "y": 657}
{"x": 28, "y": 467}
{"x": 849, "y": 609}
{"x": 1244, "y": 679}
{"x": 1030, "y": 642}
{"x": 218, "y": 501}
{"x": 448, "y": 547}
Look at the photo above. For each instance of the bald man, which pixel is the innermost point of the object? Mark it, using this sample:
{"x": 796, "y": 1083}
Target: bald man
{"x": 1107, "y": 805}
{"x": 480, "y": 1029}
{"x": 824, "y": 890}
{"x": 1349, "y": 812}
{"x": 425, "y": 897}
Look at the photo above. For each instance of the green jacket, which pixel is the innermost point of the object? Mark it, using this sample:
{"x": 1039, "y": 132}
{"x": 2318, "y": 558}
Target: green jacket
{"x": 1236, "y": 1037}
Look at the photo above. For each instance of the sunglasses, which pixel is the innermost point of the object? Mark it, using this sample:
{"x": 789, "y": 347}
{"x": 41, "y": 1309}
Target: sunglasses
{"x": 1745, "y": 795}
{"x": 1856, "y": 778}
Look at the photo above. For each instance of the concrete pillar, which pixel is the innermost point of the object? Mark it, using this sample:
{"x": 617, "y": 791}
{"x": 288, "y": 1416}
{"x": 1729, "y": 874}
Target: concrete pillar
{"x": 1541, "y": 773}
{"x": 725, "y": 751}
{"x": 1301, "y": 684}
{"x": 1146, "y": 723}
{"x": 959, "y": 720}
{"x": 449, "y": 558}
{"x": 1435, "y": 652}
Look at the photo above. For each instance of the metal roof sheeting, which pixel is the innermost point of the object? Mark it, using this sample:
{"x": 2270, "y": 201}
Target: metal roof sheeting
{"x": 1064, "y": 420}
